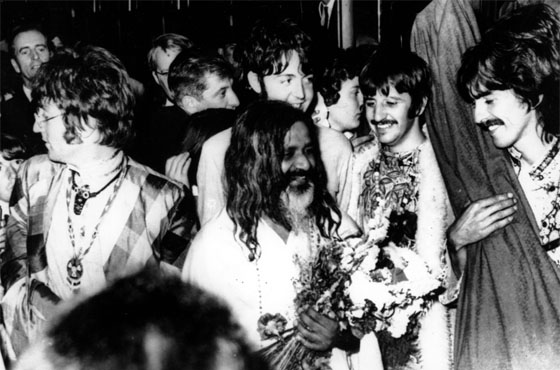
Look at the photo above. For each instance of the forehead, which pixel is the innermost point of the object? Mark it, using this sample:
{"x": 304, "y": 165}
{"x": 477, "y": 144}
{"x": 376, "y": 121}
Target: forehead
{"x": 350, "y": 84}
{"x": 29, "y": 39}
{"x": 390, "y": 92}
{"x": 163, "y": 58}
{"x": 298, "y": 136}
{"x": 215, "y": 82}
{"x": 293, "y": 65}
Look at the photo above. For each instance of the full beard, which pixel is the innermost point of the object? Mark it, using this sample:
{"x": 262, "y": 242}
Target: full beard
{"x": 296, "y": 202}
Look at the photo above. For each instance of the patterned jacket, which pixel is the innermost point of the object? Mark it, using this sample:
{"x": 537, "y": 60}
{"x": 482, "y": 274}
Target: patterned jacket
{"x": 157, "y": 220}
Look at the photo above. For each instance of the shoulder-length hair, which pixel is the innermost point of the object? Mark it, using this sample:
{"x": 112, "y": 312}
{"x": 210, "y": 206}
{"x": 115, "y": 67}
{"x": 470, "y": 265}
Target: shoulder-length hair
{"x": 254, "y": 176}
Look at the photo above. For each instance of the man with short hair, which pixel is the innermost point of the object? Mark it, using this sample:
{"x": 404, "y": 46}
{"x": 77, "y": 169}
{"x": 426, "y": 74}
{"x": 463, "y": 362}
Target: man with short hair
{"x": 276, "y": 63}
{"x": 200, "y": 82}
{"x": 164, "y": 50}
{"x": 165, "y": 121}
{"x": 85, "y": 213}
{"x": 400, "y": 173}
{"x": 197, "y": 82}
{"x": 278, "y": 210}
{"x": 29, "y": 49}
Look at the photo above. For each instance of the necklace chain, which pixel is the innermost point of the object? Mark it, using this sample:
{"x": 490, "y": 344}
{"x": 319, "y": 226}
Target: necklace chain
{"x": 74, "y": 266}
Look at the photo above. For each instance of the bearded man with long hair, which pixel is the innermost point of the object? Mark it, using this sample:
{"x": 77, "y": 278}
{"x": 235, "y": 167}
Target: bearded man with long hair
{"x": 278, "y": 211}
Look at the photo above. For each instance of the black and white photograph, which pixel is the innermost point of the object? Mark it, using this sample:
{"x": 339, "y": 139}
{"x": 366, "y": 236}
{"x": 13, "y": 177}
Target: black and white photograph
{"x": 279, "y": 184}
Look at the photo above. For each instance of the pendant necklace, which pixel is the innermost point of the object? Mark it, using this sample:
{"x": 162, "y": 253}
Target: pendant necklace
{"x": 74, "y": 267}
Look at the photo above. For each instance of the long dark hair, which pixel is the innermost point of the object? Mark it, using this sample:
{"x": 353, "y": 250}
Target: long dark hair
{"x": 254, "y": 177}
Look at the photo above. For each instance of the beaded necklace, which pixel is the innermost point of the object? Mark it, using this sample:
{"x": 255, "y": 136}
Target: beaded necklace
{"x": 315, "y": 242}
{"x": 74, "y": 267}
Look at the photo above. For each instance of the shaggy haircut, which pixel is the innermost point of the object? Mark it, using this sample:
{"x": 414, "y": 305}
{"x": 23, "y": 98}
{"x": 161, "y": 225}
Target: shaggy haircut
{"x": 147, "y": 321}
{"x": 91, "y": 82}
{"x": 344, "y": 66}
{"x": 270, "y": 45}
{"x": 254, "y": 176}
{"x": 187, "y": 73}
{"x": 402, "y": 69}
{"x": 521, "y": 53}
{"x": 165, "y": 42}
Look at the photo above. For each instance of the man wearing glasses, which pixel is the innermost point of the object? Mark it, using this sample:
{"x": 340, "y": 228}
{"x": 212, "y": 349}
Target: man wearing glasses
{"x": 85, "y": 214}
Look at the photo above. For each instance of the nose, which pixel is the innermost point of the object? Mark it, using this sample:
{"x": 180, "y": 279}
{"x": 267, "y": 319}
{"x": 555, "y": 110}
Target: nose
{"x": 480, "y": 111}
{"x": 37, "y": 125}
{"x": 379, "y": 112}
{"x": 233, "y": 101}
{"x": 360, "y": 99}
{"x": 34, "y": 54}
{"x": 298, "y": 90}
{"x": 302, "y": 162}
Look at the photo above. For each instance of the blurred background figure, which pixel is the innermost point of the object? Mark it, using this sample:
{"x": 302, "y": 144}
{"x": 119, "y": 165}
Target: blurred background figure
{"x": 144, "y": 321}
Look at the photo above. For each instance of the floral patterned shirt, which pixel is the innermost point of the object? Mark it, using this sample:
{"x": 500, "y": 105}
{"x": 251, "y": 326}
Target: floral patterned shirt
{"x": 541, "y": 185}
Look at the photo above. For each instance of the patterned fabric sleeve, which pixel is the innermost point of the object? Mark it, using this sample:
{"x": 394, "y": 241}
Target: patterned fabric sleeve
{"x": 14, "y": 259}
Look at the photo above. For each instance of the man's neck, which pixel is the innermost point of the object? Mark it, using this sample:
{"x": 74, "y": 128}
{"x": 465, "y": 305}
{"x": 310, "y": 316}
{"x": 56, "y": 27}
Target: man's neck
{"x": 99, "y": 167}
{"x": 282, "y": 232}
{"x": 532, "y": 149}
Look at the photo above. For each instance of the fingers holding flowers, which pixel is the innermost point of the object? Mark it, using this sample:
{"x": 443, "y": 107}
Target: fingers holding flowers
{"x": 316, "y": 331}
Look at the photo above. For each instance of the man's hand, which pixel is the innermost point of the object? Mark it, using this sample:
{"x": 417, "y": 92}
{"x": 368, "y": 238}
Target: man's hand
{"x": 482, "y": 218}
{"x": 316, "y": 331}
{"x": 177, "y": 168}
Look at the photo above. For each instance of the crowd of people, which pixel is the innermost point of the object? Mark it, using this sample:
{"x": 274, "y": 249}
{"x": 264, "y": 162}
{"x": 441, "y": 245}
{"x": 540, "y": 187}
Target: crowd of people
{"x": 182, "y": 240}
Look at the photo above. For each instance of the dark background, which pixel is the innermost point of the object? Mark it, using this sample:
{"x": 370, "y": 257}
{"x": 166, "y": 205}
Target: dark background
{"x": 127, "y": 27}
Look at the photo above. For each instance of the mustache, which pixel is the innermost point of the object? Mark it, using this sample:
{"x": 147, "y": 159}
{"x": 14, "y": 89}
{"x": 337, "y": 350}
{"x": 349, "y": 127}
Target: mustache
{"x": 384, "y": 122}
{"x": 485, "y": 125}
{"x": 293, "y": 175}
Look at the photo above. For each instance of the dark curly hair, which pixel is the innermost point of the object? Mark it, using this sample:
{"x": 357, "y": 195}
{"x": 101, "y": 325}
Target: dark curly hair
{"x": 89, "y": 81}
{"x": 270, "y": 45}
{"x": 402, "y": 69}
{"x": 254, "y": 176}
{"x": 522, "y": 53}
{"x": 343, "y": 66}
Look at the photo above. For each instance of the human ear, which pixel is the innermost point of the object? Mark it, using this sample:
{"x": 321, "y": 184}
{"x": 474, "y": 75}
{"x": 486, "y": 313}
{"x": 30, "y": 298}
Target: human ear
{"x": 254, "y": 82}
{"x": 422, "y": 106}
{"x": 15, "y": 65}
{"x": 189, "y": 104}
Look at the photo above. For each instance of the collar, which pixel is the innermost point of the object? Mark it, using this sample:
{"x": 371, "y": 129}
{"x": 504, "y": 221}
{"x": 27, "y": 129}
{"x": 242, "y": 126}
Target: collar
{"x": 329, "y": 6}
{"x": 27, "y": 92}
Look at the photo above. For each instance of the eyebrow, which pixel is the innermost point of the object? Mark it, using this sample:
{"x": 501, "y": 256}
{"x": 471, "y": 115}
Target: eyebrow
{"x": 219, "y": 91}
{"x": 29, "y": 47}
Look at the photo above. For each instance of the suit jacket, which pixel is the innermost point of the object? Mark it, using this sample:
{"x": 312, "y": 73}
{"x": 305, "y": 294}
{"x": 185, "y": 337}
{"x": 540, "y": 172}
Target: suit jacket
{"x": 18, "y": 119}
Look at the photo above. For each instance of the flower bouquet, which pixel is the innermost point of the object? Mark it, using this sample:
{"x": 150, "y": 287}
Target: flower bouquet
{"x": 368, "y": 284}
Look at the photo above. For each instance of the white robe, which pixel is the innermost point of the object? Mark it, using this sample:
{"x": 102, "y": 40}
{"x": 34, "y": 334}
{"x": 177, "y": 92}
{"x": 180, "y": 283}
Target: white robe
{"x": 218, "y": 262}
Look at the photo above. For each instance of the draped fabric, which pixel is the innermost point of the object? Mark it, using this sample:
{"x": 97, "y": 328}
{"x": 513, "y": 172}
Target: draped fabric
{"x": 509, "y": 307}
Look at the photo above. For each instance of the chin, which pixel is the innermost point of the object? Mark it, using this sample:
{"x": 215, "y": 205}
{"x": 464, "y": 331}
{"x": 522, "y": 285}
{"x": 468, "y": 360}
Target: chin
{"x": 299, "y": 200}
